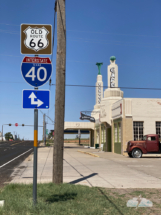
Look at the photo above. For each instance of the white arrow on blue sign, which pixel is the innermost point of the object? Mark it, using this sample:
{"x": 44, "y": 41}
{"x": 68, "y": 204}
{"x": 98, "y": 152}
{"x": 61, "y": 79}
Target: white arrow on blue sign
{"x": 39, "y": 99}
{"x": 36, "y": 70}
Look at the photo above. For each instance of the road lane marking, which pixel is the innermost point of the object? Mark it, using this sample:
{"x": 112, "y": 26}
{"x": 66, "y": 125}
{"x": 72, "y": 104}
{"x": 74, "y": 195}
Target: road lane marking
{"x": 16, "y": 143}
{"x": 14, "y": 158}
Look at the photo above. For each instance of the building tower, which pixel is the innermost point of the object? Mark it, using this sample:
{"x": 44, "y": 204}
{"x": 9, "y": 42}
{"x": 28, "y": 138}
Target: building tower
{"x": 112, "y": 74}
{"x": 99, "y": 87}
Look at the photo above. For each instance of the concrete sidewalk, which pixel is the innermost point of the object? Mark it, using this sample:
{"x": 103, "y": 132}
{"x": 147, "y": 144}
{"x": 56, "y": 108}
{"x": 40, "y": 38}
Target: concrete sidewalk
{"x": 108, "y": 170}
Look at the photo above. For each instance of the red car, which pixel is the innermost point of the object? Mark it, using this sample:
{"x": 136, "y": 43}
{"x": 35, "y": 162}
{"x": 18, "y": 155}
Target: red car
{"x": 149, "y": 145}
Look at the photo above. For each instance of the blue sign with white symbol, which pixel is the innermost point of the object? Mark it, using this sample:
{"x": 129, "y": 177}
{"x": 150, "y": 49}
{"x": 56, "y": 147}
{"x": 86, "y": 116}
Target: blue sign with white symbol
{"x": 36, "y": 99}
{"x": 36, "y": 71}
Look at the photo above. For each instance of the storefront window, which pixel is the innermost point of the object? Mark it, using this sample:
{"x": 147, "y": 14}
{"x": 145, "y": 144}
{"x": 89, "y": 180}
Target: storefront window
{"x": 102, "y": 135}
{"x": 119, "y": 131}
{"x": 138, "y": 130}
{"x": 105, "y": 135}
{"x": 158, "y": 129}
{"x": 115, "y": 126}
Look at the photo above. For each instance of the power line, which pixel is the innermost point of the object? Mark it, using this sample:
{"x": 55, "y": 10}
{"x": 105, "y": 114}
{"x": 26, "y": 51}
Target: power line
{"x": 96, "y": 41}
{"x": 97, "y": 32}
{"x": 77, "y": 85}
{"x": 9, "y": 24}
{"x": 89, "y": 41}
{"x": 55, "y": 9}
{"x": 77, "y": 61}
{"x": 47, "y": 116}
{"x": 131, "y": 88}
{"x": 53, "y": 30}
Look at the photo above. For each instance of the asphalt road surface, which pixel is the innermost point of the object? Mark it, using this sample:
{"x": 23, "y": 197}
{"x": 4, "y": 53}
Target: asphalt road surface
{"x": 11, "y": 155}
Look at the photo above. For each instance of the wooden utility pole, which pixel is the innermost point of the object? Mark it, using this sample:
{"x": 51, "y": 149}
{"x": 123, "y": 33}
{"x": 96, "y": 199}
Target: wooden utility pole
{"x": 58, "y": 147}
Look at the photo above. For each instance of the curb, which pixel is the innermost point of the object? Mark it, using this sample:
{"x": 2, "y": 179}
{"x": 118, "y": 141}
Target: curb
{"x": 88, "y": 153}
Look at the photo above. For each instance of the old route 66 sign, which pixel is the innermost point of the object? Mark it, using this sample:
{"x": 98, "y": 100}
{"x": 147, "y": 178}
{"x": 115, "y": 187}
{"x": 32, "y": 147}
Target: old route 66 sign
{"x": 36, "y": 39}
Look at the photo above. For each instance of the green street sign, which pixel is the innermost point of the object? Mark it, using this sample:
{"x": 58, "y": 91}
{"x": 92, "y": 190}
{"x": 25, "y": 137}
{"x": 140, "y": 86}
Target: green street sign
{"x": 46, "y": 131}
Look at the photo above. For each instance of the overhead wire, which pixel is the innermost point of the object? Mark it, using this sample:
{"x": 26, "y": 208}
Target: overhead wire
{"x": 97, "y": 32}
{"x": 131, "y": 88}
{"x": 117, "y": 43}
{"x": 79, "y": 85}
{"x": 77, "y": 61}
{"x": 55, "y": 9}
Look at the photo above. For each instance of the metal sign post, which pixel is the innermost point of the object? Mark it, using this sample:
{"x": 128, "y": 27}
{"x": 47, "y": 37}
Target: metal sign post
{"x": 35, "y": 156}
{"x": 36, "y": 39}
{"x": 79, "y": 135}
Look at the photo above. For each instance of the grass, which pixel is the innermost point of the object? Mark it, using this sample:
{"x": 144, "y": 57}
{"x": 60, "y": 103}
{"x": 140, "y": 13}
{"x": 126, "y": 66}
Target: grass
{"x": 68, "y": 199}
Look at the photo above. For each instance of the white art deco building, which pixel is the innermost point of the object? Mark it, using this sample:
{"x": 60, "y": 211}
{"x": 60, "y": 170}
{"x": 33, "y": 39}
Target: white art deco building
{"x": 120, "y": 119}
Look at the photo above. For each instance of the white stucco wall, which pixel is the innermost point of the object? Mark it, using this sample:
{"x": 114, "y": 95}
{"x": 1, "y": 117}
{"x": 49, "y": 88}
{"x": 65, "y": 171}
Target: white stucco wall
{"x": 147, "y": 110}
{"x": 106, "y": 109}
{"x": 117, "y": 109}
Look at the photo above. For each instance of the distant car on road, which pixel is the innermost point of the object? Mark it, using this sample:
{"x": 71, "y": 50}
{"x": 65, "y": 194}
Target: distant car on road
{"x": 149, "y": 145}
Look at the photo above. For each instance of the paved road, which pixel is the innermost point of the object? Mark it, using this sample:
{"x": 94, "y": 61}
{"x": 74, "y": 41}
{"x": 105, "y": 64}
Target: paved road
{"x": 11, "y": 155}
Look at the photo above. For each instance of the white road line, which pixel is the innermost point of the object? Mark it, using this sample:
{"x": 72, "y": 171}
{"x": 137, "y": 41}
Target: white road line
{"x": 14, "y": 158}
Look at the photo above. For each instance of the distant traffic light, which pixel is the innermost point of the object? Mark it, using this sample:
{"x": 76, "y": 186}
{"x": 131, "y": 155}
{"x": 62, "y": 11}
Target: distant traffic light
{"x": 10, "y": 124}
{"x": 22, "y": 124}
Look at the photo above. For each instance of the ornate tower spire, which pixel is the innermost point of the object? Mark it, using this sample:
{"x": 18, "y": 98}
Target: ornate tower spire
{"x": 99, "y": 87}
{"x": 99, "y": 67}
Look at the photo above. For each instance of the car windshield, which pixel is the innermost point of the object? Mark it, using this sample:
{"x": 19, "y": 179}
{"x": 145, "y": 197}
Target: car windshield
{"x": 144, "y": 138}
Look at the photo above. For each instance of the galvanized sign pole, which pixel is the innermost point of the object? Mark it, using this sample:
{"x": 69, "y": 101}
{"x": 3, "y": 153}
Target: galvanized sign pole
{"x": 35, "y": 156}
{"x": 36, "y": 39}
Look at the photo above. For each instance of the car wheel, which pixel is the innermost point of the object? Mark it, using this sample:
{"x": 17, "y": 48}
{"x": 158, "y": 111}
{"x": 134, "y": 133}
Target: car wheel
{"x": 130, "y": 155}
{"x": 136, "y": 153}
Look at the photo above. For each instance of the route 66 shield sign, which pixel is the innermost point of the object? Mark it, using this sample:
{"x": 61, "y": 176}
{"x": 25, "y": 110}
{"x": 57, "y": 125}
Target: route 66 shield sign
{"x": 36, "y": 39}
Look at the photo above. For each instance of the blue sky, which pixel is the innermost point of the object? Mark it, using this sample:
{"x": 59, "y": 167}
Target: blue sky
{"x": 129, "y": 30}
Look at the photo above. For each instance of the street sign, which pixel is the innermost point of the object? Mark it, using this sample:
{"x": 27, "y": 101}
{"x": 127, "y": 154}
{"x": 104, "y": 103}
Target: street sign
{"x": 46, "y": 131}
{"x": 36, "y": 99}
{"x": 36, "y": 39}
{"x": 36, "y": 70}
{"x": 16, "y": 124}
{"x": 86, "y": 117}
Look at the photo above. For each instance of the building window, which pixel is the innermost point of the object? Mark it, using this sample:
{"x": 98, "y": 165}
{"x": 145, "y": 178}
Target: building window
{"x": 158, "y": 129}
{"x": 104, "y": 134}
{"x": 138, "y": 130}
{"x": 119, "y": 132}
{"x": 115, "y": 129}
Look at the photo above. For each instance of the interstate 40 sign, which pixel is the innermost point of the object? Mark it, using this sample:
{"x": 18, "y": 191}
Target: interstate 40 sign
{"x": 36, "y": 70}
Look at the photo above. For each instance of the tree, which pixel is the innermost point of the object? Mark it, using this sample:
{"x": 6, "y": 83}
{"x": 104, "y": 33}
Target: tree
{"x": 50, "y": 135}
{"x": 8, "y": 136}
